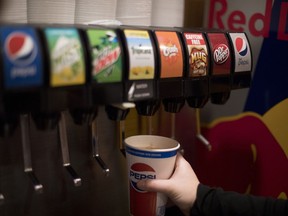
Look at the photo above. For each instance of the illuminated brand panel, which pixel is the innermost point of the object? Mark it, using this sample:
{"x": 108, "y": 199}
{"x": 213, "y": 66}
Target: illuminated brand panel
{"x": 170, "y": 54}
{"x": 198, "y": 55}
{"x": 22, "y": 57}
{"x": 66, "y": 57}
{"x": 141, "y": 55}
{"x": 220, "y": 53}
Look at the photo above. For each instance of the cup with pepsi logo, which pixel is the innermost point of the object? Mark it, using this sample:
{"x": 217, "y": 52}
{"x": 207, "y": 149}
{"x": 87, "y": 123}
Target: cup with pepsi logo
{"x": 149, "y": 157}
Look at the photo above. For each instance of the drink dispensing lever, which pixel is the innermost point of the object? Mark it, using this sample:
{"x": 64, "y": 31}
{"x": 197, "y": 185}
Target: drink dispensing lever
{"x": 198, "y": 131}
{"x": 65, "y": 151}
{"x": 119, "y": 112}
{"x": 95, "y": 148}
{"x": 1, "y": 199}
{"x": 25, "y": 129}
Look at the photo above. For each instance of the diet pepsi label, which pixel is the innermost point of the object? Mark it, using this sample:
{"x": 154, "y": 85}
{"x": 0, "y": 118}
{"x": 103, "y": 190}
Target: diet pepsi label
{"x": 22, "y": 62}
{"x": 243, "y": 58}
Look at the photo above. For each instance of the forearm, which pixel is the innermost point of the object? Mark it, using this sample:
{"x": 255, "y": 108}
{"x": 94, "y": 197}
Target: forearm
{"x": 211, "y": 201}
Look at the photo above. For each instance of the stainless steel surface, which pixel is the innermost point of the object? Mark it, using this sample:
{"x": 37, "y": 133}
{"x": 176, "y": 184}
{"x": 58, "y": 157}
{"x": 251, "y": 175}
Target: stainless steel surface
{"x": 95, "y": 148}
{"x": 25, "y": 132}
{"x": 65, "y": 150}
{"x": 2, "y": 199}
{"x": 198, "y": 131}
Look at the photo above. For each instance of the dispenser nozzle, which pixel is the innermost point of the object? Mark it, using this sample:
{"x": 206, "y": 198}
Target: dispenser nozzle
{"x": 65, "y": 151}
{"x": 95, "y": 149}
{"x": 1, "y": 199}
{"x": 25, "y": 129}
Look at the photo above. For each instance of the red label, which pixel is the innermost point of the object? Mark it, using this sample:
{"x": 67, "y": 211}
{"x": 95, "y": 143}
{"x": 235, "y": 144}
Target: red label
{"x": 220, "y": 50}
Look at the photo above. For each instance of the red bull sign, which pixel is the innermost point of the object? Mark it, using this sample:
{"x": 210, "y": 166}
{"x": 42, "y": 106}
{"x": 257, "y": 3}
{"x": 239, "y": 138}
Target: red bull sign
{"x": 256, "y": 138}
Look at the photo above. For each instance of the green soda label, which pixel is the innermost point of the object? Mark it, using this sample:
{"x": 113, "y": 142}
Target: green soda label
{"x": 106, "y": 56}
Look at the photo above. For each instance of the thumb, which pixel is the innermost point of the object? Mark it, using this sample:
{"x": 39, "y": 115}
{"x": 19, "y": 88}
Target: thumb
{"x": 154, "y": 185}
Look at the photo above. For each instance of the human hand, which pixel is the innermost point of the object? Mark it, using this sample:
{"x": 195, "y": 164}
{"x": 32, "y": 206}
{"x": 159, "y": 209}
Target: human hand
{"x": 181, "y": 188}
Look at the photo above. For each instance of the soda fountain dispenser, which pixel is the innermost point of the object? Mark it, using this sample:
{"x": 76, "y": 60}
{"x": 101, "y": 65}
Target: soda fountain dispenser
{"x": 106, "y": 70}
{"x": 22, "y": 75}
{"x": 140, "y": 84}
{"x": 171, "y": 69}
{"x": 65, "y": 71}
{"x": 170, "y": 76}
{"x": 138, "y": 77}
{"x": 196, "y": 88}
{"x": 221, "y": 66}
{"x": 242, "y": 64}
{"x": 197, "y": 80}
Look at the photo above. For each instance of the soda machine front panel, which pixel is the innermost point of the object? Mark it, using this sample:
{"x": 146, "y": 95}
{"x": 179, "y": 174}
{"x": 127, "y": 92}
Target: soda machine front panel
{"x": 243, "y": 58}
{"x": 171, "y": 54}
{"x": 106, "y": 56}
{"x": 141, "y": 55}
{"x": 22, "y": 57}
{"x": 220, "y": 54}
{"x": 198, "y": 54}
{"x": 66, "y": 57}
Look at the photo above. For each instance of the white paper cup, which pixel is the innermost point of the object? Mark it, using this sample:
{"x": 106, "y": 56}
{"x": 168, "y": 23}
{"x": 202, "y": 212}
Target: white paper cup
{"x": 149, "y": 157}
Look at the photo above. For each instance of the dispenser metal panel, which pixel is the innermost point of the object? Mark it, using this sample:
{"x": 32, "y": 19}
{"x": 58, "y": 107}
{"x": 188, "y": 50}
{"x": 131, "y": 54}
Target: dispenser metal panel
{"x": 106, "y": 56}
{"x": 67, "y": 65}
{"x": 22, "y": 57}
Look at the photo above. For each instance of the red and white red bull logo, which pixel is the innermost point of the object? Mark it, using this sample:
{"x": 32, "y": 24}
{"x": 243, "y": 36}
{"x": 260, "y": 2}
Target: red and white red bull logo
{"x": 140, "y": 171}
{"x": 20, "y": 48}
{"x": 221, "y": 54}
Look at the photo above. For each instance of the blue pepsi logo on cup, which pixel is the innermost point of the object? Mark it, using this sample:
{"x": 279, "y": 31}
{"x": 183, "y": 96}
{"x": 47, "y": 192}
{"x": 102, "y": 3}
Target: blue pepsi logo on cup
{"x": 241, "y": 46}
{"x": 22, "y": 60}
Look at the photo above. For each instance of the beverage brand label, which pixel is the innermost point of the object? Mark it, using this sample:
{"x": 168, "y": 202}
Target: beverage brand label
{"x": 140, "y": 171}
{"x": 106, "y": 56}
{"x": 22, "y": 59}
{"x": 141, "y": 55}
{"x": 198, "y": 54}
{"x": 243, "y": 58}
{"x": 67, "y": 66}
{"x": 220, "y": 53}
{"x": 171, "y": 54}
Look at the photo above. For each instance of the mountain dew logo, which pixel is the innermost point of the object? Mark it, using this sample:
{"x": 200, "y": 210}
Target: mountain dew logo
{"x": 106, "y": 56}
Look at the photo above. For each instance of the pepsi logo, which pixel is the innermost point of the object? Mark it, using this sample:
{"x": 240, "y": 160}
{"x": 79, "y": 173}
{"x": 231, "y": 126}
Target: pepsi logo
{"x": 140, "y": 171}
{"x": 221, "y": 53}
{"x": 241, "y": 46}
{"x": 20, "y": 48}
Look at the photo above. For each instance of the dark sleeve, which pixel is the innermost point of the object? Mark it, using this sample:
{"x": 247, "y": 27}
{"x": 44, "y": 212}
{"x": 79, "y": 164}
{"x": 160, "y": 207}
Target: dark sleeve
{"x": 215, "y": 201}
